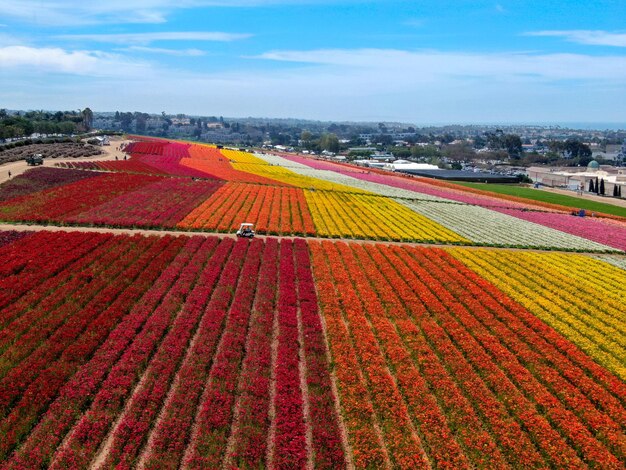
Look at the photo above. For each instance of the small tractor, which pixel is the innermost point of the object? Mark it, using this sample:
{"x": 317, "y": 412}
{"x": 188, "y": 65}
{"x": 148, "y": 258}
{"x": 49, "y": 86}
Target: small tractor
{"x": 35, "y": 159}
{"x": 246, "y": 231}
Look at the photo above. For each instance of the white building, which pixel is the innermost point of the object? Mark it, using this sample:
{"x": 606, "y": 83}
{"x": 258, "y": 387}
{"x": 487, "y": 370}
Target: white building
{"x": 573, "y": 178}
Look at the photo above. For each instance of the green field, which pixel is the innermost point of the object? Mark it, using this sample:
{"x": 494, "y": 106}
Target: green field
{"x": 546, "y": 196}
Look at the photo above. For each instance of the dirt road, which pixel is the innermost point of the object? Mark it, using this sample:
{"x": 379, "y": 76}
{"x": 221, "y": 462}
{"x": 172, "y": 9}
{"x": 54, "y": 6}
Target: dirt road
{"x": 26, "y": 227}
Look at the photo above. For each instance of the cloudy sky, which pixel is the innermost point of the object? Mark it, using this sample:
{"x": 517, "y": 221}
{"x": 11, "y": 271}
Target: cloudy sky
{"x": 425, "y": 61}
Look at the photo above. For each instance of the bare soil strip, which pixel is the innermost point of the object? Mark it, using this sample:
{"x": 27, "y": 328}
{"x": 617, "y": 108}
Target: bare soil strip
{"x": 305, "y": 394}
{"x": 272, "y": 409}
{"x": 161, "y": 233}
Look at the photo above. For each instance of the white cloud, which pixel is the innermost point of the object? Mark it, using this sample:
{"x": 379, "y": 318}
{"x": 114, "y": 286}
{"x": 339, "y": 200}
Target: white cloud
{"x": 420, "y": 66}
{"x": 368, "y": 84}
{"x": 588, "y": 37}
{"x": 148, "y": 38}
{"x": 56, "y": 60}
{"x": 81, "y": 12}
{"x": 172, "y": 52}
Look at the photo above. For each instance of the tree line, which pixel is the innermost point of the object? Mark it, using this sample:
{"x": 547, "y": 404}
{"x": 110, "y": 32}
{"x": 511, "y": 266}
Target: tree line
{"x": 19, "y": 125}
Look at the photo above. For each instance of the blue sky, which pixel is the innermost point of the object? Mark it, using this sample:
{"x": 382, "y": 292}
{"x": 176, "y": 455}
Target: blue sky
{"x": 415, "y": 61}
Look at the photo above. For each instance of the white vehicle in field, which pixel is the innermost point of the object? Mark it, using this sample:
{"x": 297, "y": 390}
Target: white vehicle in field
{"x": 246, "y": 230}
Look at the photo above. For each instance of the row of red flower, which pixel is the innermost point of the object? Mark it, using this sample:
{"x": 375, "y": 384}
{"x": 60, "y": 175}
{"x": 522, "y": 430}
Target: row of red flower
{"x": 29, "y": 389}
{"x": 139, "y": 341}
{"x": 150, "y": 317}
{"x": 84, "y": 440}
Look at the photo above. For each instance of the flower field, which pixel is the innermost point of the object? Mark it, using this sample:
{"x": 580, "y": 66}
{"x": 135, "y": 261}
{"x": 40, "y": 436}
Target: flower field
{"x": 199, "y": 187}
{"x": 274, "y": 209}
{"x": 204, "y": 352}
{"x": 503, "y": 227}
{"x": 138, "y": 338}
{"x": 120, "y": 349}
{"x": 575, "y": 295}
{"x": 436, "y": 366}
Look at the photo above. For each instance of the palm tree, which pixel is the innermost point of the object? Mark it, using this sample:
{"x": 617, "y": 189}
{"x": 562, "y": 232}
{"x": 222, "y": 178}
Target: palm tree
{"x": 87, "y": 118}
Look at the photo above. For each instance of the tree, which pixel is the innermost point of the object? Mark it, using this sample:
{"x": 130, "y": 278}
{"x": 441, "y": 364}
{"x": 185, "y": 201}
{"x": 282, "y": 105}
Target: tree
{"x": 140, "y": 125}
{"x": 513, "y": 145}
{"x": 602, "y": 186}
{"x": 462, "y": 151}
{"x": 306, "y": 137}
{"x": 576, "y": 149}
{"x": 425, "y": 151}
{"x": 329, "y": 142}
{"x": 385, "y": 139}
{"x": 479, "y": 142}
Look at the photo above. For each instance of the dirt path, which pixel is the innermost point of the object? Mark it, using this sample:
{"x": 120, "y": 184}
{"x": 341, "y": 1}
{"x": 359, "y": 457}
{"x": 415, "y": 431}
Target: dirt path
{"x": 110, "y": 152}
{"x": 161, "y": 233}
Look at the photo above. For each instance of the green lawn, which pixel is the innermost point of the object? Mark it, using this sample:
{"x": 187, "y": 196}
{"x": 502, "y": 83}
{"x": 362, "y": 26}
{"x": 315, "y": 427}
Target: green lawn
{"x": 546, "y": 196}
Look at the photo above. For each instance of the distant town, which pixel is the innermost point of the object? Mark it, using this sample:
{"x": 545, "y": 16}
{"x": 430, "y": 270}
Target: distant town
{"x": 505, "y": 150}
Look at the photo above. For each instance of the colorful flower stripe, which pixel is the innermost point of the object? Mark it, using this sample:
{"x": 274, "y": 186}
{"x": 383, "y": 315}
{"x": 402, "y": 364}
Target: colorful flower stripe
{"x": 273, "y": 209}
{"x": 547, "y": 286}
{"x": 367, "y": 446}
{"x": 68, "y": 407}
{"x": 502, "y": 227}
{"x": 21, "y": 272}
{"x": 20, "y": 317}
{"x": 210, "y": 161}
{"x": 289, "y": 436}
{"x": 433, "y": 340}
{"x": 615, "y": 260}
{"x": 444, "y": 415}
{"x": 152, "y": 147}
{"x": 57, "y": 204}
{"x": 278, "y": 173}
{"x": 134, "y": 165}
{"x": 251, "y": 422}
{"x": 586, "y": 227}
{"x": 145, "y": 403}
{"x": 536, "y": 398}
{"x": 163, "y": 203}
{"x": 422, "y": 187}
{"x": 84, "y": 440}
{"x": 374, "y": 217}
{"x": 107, "y": 309}
{"x": 555, "y": 347}
{"x": 479, "y": 375}
{"x": 173, "y": 429}
{"x": 401, "y": 439}
{"x": 446, "y": 453}
{"x": 348, "y": 179}
{"x": 327, "y": 446}
{"x": 33, "y": 323}
{"x": 31, "y": 353}
{"x": 39, "y": 179}
{"x": 171, "y": 166}
{"x": 158, "y": 147}
{"x": 518, "y": 342}
{"x": 469, "y": 315}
